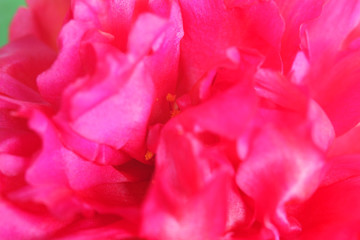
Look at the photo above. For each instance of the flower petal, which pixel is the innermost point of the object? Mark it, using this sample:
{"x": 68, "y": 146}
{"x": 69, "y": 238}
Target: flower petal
{"x": 203, "y": 47}
{"x": 25, "y": 58}
{"x": 17, "y": 224}
{"x": 333, "y": 211}
{"x": 280, "y": 166}
{"x": 295, "y": 13}
{"x": 45, "y": 20}
{"x": 184, "y": 192}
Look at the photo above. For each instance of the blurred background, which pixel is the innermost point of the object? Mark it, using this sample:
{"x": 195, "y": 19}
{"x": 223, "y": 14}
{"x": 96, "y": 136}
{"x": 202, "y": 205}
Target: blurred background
{"x": 7, "y": 11}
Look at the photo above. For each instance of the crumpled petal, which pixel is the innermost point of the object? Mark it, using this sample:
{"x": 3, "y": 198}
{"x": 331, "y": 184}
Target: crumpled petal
{"x": 24, "y": 59}
{"x": 165, "y": 55}
{"x": 295, "y": 14}
{"x": 17, "y": 144}
{"x": 100, "y": 121}
{"x": 279, "y": 167}
{"x": 24, "y": 225}
{"x": 111, "y": 17}
{"x": 207, "y": 37}
{"x": 110, "y": 78}
{"x": 325, "y": 35}
{"x": 192, "y": 167}
{"x": 142, "y": 38}
{"x": 332, "y": 78}
{"x": 160, "y": 119}
{"x": 66, "y": 183}
{"x": 184, "y": 192}
{"x": 333, "y": 211}
{"x": 52, "y": 82}
{"x": 97, "y": 228}
{"x": 237, "y": 106}
{"x": 286, "y": 97}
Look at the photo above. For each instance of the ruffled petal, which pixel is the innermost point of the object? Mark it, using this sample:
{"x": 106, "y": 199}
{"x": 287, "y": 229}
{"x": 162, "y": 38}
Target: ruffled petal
{"x": 24, "y": 59}
{"x": 52, "y": 82}
{"x": 100, "y": 123}
{"x": 17, "y": 224}
{"x": 279, "y": 93}
{"x": 324, "y": 36}
{"x": 203, "y": 47}
{"x": 295, "y": 14}
{"x": 332, "y": 78}
{"x": 236, "y": 106}
{"x": 165, "y": 55}
{"x": 280, "y": 166}
{"x": 97, "y": 228}
{"x": 184, "y": 191}
{"x": 69, "y": 185}
{"x": 333, "y": 212}
{"x": 193, "y": 164}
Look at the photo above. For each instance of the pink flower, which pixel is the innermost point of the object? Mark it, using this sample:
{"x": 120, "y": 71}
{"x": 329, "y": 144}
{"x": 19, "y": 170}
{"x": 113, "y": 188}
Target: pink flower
{"x": 224, "y": 119}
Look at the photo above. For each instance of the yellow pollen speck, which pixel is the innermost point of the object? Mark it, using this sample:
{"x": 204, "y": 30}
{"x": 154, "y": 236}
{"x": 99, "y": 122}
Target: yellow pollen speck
{"x": 170, "y": 97}
{"x": 149, "y": 155}
{"x": 174, "y": 113}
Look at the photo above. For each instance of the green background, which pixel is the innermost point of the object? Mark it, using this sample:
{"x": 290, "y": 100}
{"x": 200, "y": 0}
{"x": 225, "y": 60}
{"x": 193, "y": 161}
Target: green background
{"x": 7, "y": 11}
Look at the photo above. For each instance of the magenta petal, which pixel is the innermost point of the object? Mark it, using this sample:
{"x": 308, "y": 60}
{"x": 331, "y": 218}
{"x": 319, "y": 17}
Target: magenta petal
{"x": 112, "y": 18}
{"x": 191, "y": 167}
{"x": 11, "y": 165}
{"x": 83, "y": 174}
{"x": 347, "y": 144}
{"x": 101, "y": 123}
{"x": 16, "y": 224}
{"x": 195, "y": 219}
{"x": 97, "y": 230}
{"x": 341, "y": 168}
{"x": 41, "y": 19}
{"x": 326, "y": 34}
{"x": 25, "y": 58}
{"x": 286, "y": 96}
{"x": 181, "y": 120}
{"x": 64, "y": 182}
{"x": 279, "y": 167}
{"x": 184, "y": 192}
{"x": 333, "y": 211}
{"x": 92, "y": 151}
{"x": 49, "y": 18}
{"x": 23, "y": 24}
{"x": 67, "y": 168}
{"x": 203, "y": 47}
{"x": 295, "y": 13}
{"x": 16, "y": 138}
{"x": 341, "y": 100}
{"x": 17, "y": 90}
{"x": 337, "y": 90}
{"x": 41, "y": 172}
{"x": 145, "y": 31}
{"x": 164, "y": 55}
{"x": 236, "y": 106}
{"x": 53, "y": 81}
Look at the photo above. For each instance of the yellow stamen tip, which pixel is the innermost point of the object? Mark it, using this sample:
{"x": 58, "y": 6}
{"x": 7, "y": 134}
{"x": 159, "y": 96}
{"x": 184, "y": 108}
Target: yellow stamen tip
{"x": 174, "y": 113}
{"x": 170, "y": 97}
{"x": 149, "y": 155}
